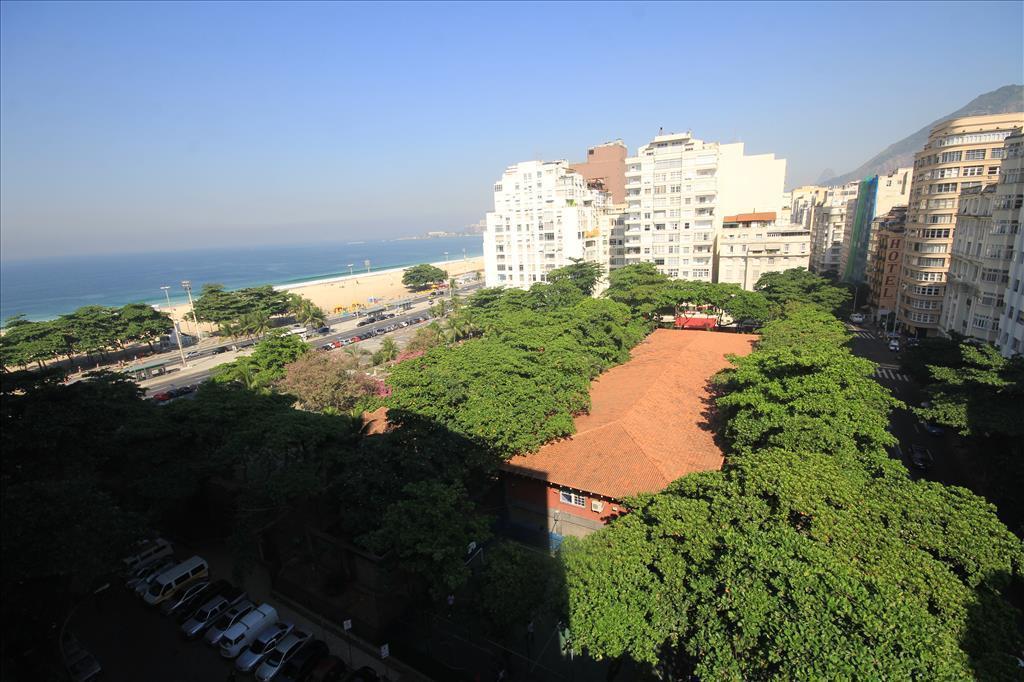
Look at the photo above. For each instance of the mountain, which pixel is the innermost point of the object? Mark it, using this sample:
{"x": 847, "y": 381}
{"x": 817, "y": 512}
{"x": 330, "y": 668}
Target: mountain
{"x": 1006, "y": 99}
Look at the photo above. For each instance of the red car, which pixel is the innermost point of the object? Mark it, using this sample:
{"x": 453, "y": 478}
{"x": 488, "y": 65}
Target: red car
{"x": 336, "y": 344}
{"x": 162, "y": 397}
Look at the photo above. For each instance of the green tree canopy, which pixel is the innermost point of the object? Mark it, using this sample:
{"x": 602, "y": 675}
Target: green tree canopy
{"x": 422, "y": 276}
{"x": 797, "y": 285}
{"x": 266, "y": 364}
{"x": 584, "y": 275}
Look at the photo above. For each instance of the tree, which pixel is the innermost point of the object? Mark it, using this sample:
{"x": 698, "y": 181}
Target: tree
{"x": 387, "y": 352}
{"x": 266, "y": 364}
{"x": 420, "y": 277}
{"x": 142, "y": 322}
{"x": 24, "y": 342}
{"x": 321, "y": 381}
{"x": 518, "y": 584}
{"x": 800, "y": 566}
{"x": 797, "y": 285}
{"x": 306, "y": 312}
{"x": 584, "y": 275}
{"x": 642, "y": 288}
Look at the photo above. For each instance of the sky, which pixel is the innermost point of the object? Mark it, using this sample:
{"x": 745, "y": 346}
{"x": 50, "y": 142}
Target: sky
{"x": 147, "y": 126}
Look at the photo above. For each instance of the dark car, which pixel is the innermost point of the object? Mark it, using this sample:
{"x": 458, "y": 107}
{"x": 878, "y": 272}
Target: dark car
{"x": 920, "y": 457}
{"x": 300, "y": 665}
{"x": 162, "y": 397}
{"x": 221, "y": 587}
{"x": 220, "y": 349}
{"x": 330, "y": 669}
{"x": 364, "y": 674}
{"x": 323, "y": 330}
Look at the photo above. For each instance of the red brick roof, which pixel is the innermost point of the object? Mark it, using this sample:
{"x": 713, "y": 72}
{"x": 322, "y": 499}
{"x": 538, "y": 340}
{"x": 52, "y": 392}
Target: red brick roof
{"x": 646, "y": 426}
{"x": 749, "y": 217}
{"x": 376, "y": 422}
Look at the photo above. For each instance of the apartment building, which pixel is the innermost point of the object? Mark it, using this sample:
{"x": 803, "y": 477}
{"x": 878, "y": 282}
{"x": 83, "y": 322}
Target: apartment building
{"x": 960, "y": 154}
{"x": 679, "y": 188}
{"x": 605, "y": 169}
{"x": 804, "y": 202}
{"x": 979, "y": 268}
{"x": 543, "y": 212}
{"x": 828, "y": 226}
{"x": 751, "y": 244}
{"x": 875, "y": 196}
{"x": 885, "y": 255}
{"x": 1007, "y": 217}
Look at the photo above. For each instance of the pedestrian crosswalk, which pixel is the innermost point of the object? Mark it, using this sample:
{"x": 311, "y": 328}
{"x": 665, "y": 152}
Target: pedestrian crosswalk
{"x": 891, "y": 374}
{"x": 863, "y": 334}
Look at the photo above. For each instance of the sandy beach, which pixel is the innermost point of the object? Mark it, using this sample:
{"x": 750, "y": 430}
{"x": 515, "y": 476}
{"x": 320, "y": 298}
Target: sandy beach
{"x": 342, "y": 292}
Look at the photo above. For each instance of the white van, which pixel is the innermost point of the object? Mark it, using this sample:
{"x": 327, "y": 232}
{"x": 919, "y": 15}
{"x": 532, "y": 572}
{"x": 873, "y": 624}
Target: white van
{"x": 241, "y": 634}
{"x": 151, "y": 551}
{"x": 176, "y": 577}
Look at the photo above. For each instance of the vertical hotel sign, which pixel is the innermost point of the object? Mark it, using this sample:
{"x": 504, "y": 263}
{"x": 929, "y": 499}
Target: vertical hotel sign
{"x": 891, "y": 277}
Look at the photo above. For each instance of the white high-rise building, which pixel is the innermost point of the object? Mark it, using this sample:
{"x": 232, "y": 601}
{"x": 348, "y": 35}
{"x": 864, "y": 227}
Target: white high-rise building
{"x": 828, "y": 227}
{"x": 679, "y": 188}
{"x": 544, "y": 214}
{"x": 753, "y": 244}
{"x": 1007, "y": 218}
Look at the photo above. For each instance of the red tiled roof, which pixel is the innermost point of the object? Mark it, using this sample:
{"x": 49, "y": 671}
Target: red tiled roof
{"x": 646, "y": 426}
{"x": 376, "y": 422}
{"x": 749, "y": 217}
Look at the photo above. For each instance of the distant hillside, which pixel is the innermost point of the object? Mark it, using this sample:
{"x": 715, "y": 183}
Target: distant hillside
{"x": 1002, "y": 101}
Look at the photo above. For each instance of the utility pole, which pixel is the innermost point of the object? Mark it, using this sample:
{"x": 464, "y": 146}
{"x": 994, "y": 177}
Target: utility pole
{"x": 187, "y": 286}
{"x": 167, "y": 293}
{"x": 367, "y": 264}
{"x": 350, "y": 269}
{"x": 177, "y": 337}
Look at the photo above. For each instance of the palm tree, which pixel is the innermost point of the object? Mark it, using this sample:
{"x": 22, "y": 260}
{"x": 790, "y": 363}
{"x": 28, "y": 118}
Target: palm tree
{"x": 388, "y": 350}
{"x": 357, "y": 352}
{"x": 310, "y": 314}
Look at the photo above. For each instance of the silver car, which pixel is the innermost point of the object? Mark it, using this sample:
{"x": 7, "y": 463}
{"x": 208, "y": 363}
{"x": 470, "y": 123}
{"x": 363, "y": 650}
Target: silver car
{"x": 227, "y": 619}
{"x": 140, "y": 583}
{"x": 264, "y": 643}
{"x": 282, "y": 653}
{"x": 207, "y": 614}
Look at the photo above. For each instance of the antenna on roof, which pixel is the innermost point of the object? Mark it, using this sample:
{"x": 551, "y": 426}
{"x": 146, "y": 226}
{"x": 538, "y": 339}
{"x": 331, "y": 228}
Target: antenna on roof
{"x": 661, "y": 130}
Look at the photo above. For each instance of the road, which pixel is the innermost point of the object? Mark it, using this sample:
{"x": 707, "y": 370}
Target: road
{"x": 199, "y": 367}
{"x": 948, "y": 468}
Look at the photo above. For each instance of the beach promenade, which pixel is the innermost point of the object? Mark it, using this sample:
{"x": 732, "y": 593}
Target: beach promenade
{"x": 384, "y": 286}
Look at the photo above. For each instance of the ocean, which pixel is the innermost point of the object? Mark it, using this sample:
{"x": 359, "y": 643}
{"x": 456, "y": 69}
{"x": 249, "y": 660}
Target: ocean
{"x": 42, "y": 289}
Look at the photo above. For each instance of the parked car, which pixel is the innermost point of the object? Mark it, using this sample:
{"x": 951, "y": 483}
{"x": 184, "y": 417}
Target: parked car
{"x": 162, "y": 397}
{"x": 264, "y": 643}
{"x": 217, "y": 589}
{"x": 145, "y": 573}
{"x": 175, "y": 578}
{"x": 282, "y": 653}
{"x": 148, "y": 552}
{"x": 209, "y": 612}
{"x": 300, "y": 665}
{"x": 857, "y": 318}
{"x": 913, "y": 342}
{"x": 894, "y": 345}
{"x": 81, "y": 665}
{"x": 364, "y": 674}
{"x": 215, "y": 632}
{"x": 328, "y": 669}
{"x": 241, "y": 634}
{"x": 192, "y": 354}
{"x": 920, "y": 456}
{"x": 323, "y": 330}
{"x": 182, "y": 598}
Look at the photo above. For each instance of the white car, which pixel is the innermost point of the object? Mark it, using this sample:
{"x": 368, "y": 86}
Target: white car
{"x": 262, "y": 646}
{"x": 894, "y": 345}
{"x": 857, "y": 318}
{"x": 226, "y": 620}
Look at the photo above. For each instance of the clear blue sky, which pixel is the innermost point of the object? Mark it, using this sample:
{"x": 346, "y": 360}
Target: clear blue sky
{"x": 150, "y": 126}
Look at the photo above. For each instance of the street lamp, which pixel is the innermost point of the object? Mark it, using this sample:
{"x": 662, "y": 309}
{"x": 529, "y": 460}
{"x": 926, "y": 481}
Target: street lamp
{"x": 350, "y": 269}
{"x": 167, "y": 294}
{"x": 187, "y": 286}
{"x": 446, "y": 258}
{"x": 367, "y": 264}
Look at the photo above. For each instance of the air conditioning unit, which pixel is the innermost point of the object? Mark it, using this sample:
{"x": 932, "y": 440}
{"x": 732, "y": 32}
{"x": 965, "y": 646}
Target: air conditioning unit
{"x": 597, "y": 506}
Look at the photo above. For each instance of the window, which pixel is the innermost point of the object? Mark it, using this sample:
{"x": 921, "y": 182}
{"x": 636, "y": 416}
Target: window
{"x": 939, "y": 219}
{"x": 942, "y": 187}
{"x": 950, "y": 157}
{"x": 972, "y": 170}
{"x": 572, "y": 498}
{"x": 997, "y": 154}
{"x": 974, "y": 154}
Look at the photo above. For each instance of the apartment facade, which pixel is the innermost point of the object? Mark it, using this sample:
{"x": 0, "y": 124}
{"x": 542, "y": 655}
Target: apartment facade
{"x": 875, "y": 196}
{"x": 960, "y": 154}
{"x": 751, "y": 244}
{"x": 679, "y": 188}
{"x": 803, "y": 203}
{"x": 605, "y": 169}
{"x": 543, "y": 212}
{"x": 979, "y": 268}
{"x": 1007, "y": 217}
{"x": 829, "y": 225}
{"x": 885, "y": 256}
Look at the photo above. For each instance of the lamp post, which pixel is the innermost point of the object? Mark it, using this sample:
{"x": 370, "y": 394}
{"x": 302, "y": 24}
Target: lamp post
{"x": 463, "y": 253}
{"x": 367, "y": 264}
{"x": 177, "y": 336}
{"x": 167, "y": 293}
{"x": 187, "y": 286}
{"x": 446, "y": 258}
{"x": 350, "y": 269}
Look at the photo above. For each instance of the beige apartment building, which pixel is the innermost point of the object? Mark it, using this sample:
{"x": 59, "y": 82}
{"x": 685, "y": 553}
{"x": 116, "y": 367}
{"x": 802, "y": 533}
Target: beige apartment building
{"x": 804, "y": 202}
{"x": 678, "y": 188}
{"x": 960, "y": 154}
{"x": 829, "y": 226}
{"x": 605, "y": 169}
{"x": 1007, "y": 217}
{"x": 751, "y": 244}
{"x": 885, "y": 256}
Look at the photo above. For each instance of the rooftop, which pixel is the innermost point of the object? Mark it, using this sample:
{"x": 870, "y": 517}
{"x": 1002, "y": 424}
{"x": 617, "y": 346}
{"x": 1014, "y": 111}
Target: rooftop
{"x": 749, "y": 217}
{"x": 646, "y": 426}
